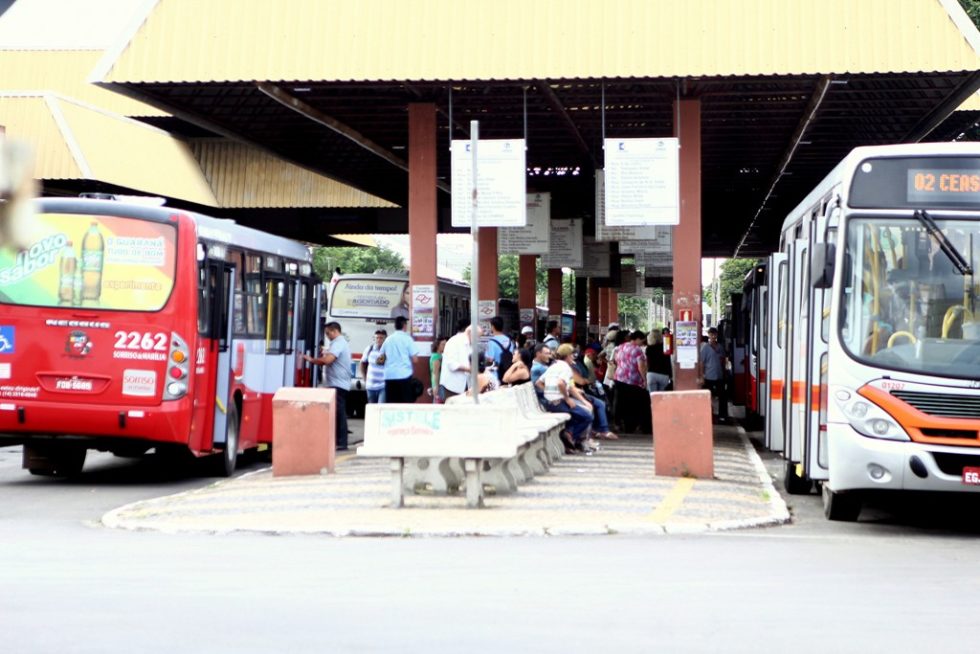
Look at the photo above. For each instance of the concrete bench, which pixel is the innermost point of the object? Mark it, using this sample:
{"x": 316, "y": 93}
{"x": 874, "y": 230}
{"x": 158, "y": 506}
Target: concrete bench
{"x": 442, "y": 446}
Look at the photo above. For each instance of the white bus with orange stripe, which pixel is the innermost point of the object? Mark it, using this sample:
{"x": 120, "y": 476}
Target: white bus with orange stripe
{"x": 873, "y": 328}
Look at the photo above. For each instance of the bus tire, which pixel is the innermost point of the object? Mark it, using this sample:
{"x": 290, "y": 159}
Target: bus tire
{"x": 841, "y": 507}
{"x": 227, "y": 461}
{"x": 794, "y": 484}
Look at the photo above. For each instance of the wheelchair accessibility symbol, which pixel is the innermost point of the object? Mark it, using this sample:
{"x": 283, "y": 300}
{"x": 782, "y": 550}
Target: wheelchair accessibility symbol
{"x": 6, "y": 339}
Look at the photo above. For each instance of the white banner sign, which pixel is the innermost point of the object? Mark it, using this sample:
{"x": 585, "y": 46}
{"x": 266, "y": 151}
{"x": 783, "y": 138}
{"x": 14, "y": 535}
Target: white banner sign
{"x": 534, "y": 237}
{"x": 423, "y": 310}
{"x": 566, "y": 245}
{"x": 642, "y": 182}
{"x": 501, "y": 188}
{"x": 595, "y": 259}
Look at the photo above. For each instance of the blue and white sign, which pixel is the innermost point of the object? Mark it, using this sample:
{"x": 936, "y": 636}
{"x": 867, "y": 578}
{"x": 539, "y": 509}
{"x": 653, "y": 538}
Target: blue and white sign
{"x": 642, "y": 182}
{"x": 6, "y": 339}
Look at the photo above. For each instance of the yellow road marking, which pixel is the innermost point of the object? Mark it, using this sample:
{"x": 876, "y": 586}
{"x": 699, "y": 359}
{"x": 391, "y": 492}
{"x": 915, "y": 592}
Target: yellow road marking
{"x": 673, "y": 500}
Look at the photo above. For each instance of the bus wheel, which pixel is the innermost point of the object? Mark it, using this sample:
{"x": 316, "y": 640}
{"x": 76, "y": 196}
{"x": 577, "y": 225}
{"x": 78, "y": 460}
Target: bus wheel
{"x": 843, "y": 507}
{"x": 225, "y": 464}
{"x": 54, "y": 460}
{"x": 794, "y": 484}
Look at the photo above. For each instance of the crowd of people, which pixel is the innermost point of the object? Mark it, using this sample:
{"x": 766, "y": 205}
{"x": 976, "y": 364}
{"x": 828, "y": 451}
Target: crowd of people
{"x": 601, "y": 385}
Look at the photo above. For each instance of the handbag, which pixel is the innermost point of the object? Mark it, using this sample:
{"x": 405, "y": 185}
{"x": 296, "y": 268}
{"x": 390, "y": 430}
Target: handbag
{"x": 418, "y": 388}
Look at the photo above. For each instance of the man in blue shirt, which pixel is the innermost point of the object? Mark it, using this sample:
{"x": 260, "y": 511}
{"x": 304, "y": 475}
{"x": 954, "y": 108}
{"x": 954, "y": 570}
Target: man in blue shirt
{"x": 399, "y": 352}
{"x": 336, "y": 375}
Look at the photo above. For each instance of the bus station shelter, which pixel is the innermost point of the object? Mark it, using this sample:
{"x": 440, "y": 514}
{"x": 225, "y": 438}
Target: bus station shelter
{"x": 765, "y": 97}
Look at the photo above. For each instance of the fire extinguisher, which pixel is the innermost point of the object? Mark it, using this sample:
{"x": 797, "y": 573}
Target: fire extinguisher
{"x": 668, "y": 343}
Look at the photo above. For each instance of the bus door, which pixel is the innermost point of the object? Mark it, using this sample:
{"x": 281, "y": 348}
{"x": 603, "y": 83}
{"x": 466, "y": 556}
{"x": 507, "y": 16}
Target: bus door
{"x": 221, "y": 279}
{"x": 757, "y": 351}
{"x": 793, "y": 398}
{"x": 735, "y": 344}
{"x": 816, "y": 465}
{"x": 308, "y": 295}
{"x": 776, "y": 357}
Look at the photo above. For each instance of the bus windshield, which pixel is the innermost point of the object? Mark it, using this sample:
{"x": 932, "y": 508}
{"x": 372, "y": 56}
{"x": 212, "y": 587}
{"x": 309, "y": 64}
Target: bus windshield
{"x": 906, "y": 304}
{"x": 91, "y": 261}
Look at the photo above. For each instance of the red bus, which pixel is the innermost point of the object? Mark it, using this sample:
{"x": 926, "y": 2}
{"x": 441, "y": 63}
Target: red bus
{"x": 126, "y": 327}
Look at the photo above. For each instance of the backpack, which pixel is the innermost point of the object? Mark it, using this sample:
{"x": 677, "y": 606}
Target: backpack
{"x": 506, "y": 359}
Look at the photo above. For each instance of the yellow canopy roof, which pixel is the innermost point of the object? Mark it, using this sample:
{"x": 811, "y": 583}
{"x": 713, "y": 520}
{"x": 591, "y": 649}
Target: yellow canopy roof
{"x": 65, "y": 72}
{"x": 244, "y": 177}
{"x": 75, "y": 141}
{"x": 340, "y": 40}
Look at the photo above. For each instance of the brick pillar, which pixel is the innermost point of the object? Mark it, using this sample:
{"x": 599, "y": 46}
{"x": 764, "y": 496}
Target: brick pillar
{"x": 594, "y": 320}
{"x": 613, "y": 306}
{"x": 488, "y": 264}
{"x": 603, "y": 310}
{"x": 422, "y": 211}
{"x": 554, "y": 291}
{"x": 527, "y": 281}
{"x": 687, "y": 235}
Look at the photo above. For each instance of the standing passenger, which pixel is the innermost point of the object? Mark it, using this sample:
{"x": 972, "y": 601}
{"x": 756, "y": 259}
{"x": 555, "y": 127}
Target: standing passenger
{"x": 399, "y": 353}
{"x": 456, "y": 360}
{"x": 374, "y": 372}
{"x": 435, "y": 370}
{"x": 711, "y": 364}
{"x": 336, "y": 375}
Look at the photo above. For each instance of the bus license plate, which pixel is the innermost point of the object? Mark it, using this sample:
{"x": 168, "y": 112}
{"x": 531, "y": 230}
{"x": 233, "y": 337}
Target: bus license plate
{"x": 971, "y": 476}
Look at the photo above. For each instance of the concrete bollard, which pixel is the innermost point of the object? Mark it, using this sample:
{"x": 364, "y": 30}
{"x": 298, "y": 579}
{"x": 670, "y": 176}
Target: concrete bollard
{"x": 682, "y": 434}
{"x": 303, "y": 431}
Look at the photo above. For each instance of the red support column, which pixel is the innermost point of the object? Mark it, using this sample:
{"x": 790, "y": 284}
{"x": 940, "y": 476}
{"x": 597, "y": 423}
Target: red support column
{"x": 527, "y": 281}
{"x": 593, "y": 307}
{"x": 603, "y": 307}
{"x": 422, "y": 209}
{"x": 687, "y": 235}
{"x": 614, "y": 306}
{"x": 554, "y": 291}
{"x": 488, "y": 264}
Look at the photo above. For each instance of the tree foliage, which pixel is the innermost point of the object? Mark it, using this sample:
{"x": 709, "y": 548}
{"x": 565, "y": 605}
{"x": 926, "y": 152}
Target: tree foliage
{"x": 733, "y": 272}
{"x": 508, "y": 273}
{"x": 634, "y": 312}
{"x": 355, "y": 260}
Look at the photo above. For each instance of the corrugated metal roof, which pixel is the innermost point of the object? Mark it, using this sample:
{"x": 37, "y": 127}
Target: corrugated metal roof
{"x": 75, "y": 141}
{"x": 244, "y": 177}
{"x": 65, "y": 72}
{"x": 339, "y": 40}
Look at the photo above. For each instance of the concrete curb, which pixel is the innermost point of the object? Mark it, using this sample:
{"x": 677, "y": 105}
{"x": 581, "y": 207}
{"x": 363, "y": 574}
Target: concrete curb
{"x": 130, "y": 518}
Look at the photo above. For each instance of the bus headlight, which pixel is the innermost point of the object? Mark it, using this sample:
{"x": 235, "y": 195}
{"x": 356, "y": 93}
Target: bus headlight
{"x": 867, "y": 418}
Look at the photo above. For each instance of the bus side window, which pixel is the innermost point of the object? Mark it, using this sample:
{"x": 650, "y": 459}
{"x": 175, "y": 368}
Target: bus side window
{"x": 254, "y": 300}
{"x": 275, "y": 292}
{"x": 238, "y": 311}
{"x": 203, "y": 300}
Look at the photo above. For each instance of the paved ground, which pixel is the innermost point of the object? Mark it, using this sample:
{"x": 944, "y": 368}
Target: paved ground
{"x": 611, "y": 492}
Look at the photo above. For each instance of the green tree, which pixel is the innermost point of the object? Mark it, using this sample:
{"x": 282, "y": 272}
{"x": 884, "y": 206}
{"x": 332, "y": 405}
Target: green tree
{"x": 508, "y": 272}
{"x": 355, "y": 260}
{"x": 634, "y": 312}
{"x": 733, "y": 272}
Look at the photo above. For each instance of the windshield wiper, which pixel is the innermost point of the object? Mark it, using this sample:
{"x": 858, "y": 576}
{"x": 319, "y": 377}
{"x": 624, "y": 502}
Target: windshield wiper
{"x": 944, "y": 244}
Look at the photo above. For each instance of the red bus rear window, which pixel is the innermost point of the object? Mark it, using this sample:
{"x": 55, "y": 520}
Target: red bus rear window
{"x": 80, "y": 260}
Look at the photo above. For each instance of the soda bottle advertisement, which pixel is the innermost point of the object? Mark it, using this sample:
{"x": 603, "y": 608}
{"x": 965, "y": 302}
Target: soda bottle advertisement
{"x": 105, "y": 262}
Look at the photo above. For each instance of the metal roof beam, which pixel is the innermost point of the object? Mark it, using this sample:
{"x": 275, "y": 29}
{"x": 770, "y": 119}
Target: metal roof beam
{"x": 941, "y": 112}
{"x": 317, "y": 116}
{"x": 556, "y": 104}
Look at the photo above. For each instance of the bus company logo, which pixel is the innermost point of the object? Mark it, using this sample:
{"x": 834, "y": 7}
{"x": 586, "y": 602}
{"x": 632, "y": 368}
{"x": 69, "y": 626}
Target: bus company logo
{"x": 6, "y": 339}
{"x": 78, "y": 344}
{"x": 139, "y": 383}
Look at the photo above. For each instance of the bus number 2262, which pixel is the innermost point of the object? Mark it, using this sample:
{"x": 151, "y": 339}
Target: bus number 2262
{"x": 141, "y": 341}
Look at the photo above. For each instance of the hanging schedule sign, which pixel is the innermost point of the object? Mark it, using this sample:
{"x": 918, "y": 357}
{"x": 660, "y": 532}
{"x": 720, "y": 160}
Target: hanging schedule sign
{"x": 534, "y": 237}
{"x": 501, "y": 189}
{"x": 642, "y": 182}
{"x": 566, "y": 245}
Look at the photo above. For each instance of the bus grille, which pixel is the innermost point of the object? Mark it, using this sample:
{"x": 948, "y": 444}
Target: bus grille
{"x": 953, "y": 464}
{"x": 944, "y": 405}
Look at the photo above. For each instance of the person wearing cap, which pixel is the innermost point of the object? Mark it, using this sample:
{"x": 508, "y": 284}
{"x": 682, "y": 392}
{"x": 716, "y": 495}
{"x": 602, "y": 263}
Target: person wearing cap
{"x": 525, "y": 340}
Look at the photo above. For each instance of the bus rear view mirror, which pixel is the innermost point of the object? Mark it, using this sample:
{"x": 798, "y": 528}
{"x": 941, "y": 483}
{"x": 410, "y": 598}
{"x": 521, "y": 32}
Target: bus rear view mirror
{"x": 822, "y": 264}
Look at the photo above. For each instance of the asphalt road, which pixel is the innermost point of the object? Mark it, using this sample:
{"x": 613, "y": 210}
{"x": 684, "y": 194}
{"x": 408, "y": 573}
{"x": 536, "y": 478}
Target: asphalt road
{"x": 891, "y": 584}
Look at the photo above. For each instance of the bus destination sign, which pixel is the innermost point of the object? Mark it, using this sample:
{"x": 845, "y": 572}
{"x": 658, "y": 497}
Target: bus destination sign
{"x": 926, "y": 184}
